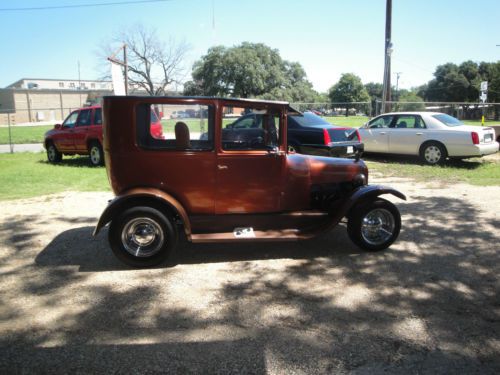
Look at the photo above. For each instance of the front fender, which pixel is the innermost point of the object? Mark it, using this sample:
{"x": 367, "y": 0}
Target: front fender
{"x": 362, "y": 194}
{"x": 143, "y": 196}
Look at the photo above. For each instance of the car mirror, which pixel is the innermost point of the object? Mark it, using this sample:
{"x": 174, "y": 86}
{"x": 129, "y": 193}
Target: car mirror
{"x": 57, "y": 126}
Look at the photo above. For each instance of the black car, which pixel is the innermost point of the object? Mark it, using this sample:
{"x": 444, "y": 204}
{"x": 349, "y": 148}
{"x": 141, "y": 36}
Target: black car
{"x": 308, "y": 133}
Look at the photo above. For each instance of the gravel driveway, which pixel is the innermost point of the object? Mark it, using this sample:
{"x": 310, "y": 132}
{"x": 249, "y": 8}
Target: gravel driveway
{"x": 430, "y": 304}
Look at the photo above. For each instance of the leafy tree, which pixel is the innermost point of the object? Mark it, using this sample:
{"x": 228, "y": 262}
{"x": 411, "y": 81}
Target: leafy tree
{"x": 348, "y": 89}
{"x": 491, "y": 72}
{"x": 410, "y": 101}
{"x": 249, "y": 70}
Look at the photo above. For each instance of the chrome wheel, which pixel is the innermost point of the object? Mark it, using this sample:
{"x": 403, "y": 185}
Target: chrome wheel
{"x": 432, "y": 154}
{"x": 377, "y": 226}
{"x": 142, "y": 237}
{"x": 95, "y": 155}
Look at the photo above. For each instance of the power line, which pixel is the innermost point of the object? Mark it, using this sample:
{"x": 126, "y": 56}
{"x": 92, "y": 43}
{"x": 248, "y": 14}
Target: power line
{"x": 88, "y": 5}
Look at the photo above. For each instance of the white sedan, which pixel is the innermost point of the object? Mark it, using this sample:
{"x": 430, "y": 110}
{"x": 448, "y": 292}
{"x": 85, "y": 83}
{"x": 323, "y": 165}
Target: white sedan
{"x": 430, "y": 135}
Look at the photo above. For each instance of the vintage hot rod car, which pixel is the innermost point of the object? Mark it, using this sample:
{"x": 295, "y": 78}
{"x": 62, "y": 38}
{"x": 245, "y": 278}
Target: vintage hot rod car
{"x": 219, "y": 189}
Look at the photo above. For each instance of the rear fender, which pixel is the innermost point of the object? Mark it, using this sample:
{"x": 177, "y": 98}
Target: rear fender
{"x": 144, "y": 197}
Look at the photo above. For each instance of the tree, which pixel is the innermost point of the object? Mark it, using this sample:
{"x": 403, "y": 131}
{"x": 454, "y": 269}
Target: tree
{"x": 152, "y": 64}
{"x": 249, "y": 70}
{"x": 348, "y": 89}
{"x": 410, "y": 101}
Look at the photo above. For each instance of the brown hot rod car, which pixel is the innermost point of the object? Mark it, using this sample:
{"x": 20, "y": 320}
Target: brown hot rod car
{"x": 220, "y": 183}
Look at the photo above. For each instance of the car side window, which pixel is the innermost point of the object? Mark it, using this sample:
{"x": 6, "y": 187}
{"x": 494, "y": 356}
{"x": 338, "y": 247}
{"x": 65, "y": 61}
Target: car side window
{"x": 380, "y": 122}
{"x": 97, "y": 116}
{"x": 70, "y": 120}
{"x": 250, "y": 129}
{"x": 409, "y": 122}
{"x": 84, "y": 118}
{"x": 181, "y": 127}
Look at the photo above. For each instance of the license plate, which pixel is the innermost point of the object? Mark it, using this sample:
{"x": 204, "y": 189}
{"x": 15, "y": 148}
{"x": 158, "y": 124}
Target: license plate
{"x": 350, "y": 149}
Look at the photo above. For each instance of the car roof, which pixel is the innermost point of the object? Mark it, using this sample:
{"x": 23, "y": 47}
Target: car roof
{"x": 412, "y": 113}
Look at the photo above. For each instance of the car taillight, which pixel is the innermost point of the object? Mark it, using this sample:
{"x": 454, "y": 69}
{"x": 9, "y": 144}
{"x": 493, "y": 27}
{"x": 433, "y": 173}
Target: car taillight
{"x": 358, "y": 135}
{"x": 326, "y": 137}
{"x": 475, "y": 138}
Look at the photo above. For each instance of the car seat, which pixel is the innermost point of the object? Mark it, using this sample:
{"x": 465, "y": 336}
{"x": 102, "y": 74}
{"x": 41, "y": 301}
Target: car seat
{"x": 402, "y": 125}
{"x": 182, "y": 138}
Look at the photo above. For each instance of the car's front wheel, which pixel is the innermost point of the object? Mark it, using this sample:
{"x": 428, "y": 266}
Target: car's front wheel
{"x": 433, "y": 153}
{"x": 95, "y": 154}
{"x": 374, "y": 225}
{"x": 142, "y": 236}
{"x": 53, "y": 156}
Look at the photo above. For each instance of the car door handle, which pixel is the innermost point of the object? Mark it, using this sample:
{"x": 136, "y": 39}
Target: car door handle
{"x": 383, "y": 133}
{"x": 419, "y": 133}
{"x": 220, "y": 167}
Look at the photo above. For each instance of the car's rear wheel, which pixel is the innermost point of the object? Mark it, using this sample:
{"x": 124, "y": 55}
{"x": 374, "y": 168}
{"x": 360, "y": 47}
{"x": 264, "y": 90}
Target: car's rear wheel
{"x": 374, "y": 225}
{"x": 433, "y": 153}
{"x": 95, "y": 154}
{"x": 53, "y": 156}
{"x": 142, "y": 236}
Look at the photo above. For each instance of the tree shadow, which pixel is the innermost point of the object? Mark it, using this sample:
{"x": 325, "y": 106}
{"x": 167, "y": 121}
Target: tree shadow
{"x": 71, "y": 161}
{"x": 427, "y": 305}
{"x": 469, "y": 164}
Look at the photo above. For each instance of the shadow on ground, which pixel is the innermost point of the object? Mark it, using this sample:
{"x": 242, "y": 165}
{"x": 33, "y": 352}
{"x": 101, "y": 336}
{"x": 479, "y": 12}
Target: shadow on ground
{"x": 467, "y": 164}
{"x": 427, "y": 305}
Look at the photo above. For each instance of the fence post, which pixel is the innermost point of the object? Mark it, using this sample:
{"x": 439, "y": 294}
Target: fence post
{"x": 10, "y": 135}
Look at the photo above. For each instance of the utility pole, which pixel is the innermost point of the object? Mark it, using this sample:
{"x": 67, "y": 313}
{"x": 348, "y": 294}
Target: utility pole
{"x": 386, "y": 95}
{"x": 79, "y": 84}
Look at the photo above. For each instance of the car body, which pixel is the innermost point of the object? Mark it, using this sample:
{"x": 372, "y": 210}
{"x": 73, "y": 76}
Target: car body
{"x": 218, "y": 189}
{"x": 308, "y": 133}
{"x": 81, "y": 133}
{"x": 432, "y": 136}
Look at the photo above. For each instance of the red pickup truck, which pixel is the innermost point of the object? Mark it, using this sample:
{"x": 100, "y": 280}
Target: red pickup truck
{"x": 81, "y": 134}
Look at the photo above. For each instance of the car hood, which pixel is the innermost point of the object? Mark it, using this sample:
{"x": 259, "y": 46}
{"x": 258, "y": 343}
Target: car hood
{"x": 324, "y": 170}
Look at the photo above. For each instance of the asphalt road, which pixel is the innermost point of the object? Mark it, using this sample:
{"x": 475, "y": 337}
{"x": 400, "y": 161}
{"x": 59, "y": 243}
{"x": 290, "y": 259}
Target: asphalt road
{"x": 29, "y": 147}
{"x": 428, "y": 305}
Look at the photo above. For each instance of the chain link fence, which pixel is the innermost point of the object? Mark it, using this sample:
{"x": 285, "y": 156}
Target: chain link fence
{"x": 23, "y": 126}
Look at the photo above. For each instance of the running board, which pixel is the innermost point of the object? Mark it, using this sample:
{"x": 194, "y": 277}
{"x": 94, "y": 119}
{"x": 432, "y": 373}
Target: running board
{"x": 269, "y": 235}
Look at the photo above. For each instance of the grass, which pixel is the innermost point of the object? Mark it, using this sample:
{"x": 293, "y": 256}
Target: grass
{"x": 350, "y": 121}
{"x": 24, "y": 134}
{"x": 475, "y": 171}
{"x": 26, "y": 175}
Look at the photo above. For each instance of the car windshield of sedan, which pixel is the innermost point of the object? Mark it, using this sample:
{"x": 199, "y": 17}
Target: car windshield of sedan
{"x": 310, "y": 119}
{"x": 448, "y": 120}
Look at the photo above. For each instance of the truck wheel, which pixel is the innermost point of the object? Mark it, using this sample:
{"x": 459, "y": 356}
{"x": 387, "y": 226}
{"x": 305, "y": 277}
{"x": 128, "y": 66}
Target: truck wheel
{"x": 375, "y": 225}
{"x": 53, "y": 155}
{"x": 433, "y": 153}
{"x": 142, "y": 236}
{"x": 95, "y": 153}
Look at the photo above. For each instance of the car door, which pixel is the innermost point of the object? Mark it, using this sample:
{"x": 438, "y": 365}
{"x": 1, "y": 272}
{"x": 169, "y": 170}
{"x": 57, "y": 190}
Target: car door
{"x": 64, "y": 138}
{"x": 375, "y": 135}
{"x": 249, "y": 174}
{"x": 406, "y": 134}
{"x": 81, "y": 130}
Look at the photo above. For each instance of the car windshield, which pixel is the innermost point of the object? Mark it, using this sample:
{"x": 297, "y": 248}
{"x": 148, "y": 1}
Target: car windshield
{"x": 448, "y": 120}
{"x": 310, "y": 119}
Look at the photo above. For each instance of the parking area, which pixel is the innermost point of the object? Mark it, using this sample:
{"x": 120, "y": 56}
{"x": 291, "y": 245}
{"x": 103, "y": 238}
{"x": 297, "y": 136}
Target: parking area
{"x": 429, "y": 304}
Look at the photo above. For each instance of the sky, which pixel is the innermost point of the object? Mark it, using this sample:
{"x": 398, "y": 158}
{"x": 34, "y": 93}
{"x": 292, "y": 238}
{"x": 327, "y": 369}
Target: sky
{"x": 328, "y": 37}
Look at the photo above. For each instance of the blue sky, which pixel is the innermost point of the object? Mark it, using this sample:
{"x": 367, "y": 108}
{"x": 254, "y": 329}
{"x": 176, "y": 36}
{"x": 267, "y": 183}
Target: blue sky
{"x": 327, "y": 37}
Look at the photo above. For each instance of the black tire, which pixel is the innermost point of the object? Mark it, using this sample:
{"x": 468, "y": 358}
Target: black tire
{"x": 53, "y": 155}
{"x": 145, "y": 231}
{"x": 433, "y": 153}
{"x": 96, "y": 155}
{"x": 378, "y": 214}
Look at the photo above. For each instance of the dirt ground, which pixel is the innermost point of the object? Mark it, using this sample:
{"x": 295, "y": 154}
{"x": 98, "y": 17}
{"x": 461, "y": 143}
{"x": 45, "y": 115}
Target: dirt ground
{"x": 429, "y": 304}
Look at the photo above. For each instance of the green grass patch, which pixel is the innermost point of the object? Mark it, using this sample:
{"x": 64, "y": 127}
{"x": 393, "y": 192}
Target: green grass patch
{"x": 475, "y": 171}
{"x": 24, "y": 134}
{"x": 350, "y": 121}
{"x": 25, "y": 175}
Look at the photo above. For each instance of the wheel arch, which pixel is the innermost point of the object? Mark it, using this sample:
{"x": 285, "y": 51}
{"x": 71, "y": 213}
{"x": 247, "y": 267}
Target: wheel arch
{"x": 92, "y": 140}
{"x": 426, "y": 142}
{"x": 154, "y": 198}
